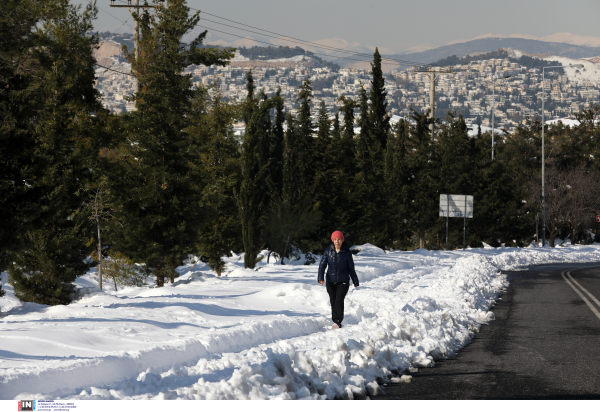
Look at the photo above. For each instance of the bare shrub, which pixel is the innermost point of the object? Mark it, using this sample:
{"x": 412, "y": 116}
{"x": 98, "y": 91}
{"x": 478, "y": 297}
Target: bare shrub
{"x": 572, "y": 198}
{"x": 123, "y": 271}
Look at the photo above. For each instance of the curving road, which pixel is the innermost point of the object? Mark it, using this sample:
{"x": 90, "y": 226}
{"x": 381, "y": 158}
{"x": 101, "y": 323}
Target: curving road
{"x": 544, "y": 343}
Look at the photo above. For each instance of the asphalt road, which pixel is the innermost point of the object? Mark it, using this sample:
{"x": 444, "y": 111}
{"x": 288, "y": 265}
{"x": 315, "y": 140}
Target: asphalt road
{"x": 543, "y": 344}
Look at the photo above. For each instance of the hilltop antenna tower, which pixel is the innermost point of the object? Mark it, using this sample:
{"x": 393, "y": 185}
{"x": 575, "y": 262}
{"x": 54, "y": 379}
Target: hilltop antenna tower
{"x": 137, "y": 29}
{"x": 432, "y": 74}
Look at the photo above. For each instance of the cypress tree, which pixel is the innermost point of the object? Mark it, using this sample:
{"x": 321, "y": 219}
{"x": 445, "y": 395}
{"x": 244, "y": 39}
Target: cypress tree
{"x": 305, "y": 140}
{"x": 322, "y": 162}
{"x": 265, "y": 145}
{"x": 378, "y": 115}
{"x": 335, "y": 150}
{"x": 212, "y": 128}
{"x": 294, "y": 217}
{"x": 364, "y": 146}
{"x": 344, "y": 173}
{"x": 290, "y": 224}
{"x": 277, "y": 147}
{"x": 347, "y": 160}
{"x": 457, "y": 171}
{"x": 291, "y": 175}
{"x": 457, "y": 158}
{"x": 161, "y": 188}
{"x": 422, "y": 193}
{"x": 370, "y": 162}
{"x": 336, "y": 133}
{"x": 323, "y": 199}
{"x": 335, "y": 217}
{"x": 500, "y": 213}
{"x": 396, "y": 180}
{"x": 253, "y": 190}
{"x": 323, "y": 129}
{"x": 250, "y": 98}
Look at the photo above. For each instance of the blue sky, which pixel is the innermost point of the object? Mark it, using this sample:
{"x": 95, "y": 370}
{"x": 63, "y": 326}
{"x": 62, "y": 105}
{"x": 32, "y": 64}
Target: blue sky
{"x": 396, "y": 24}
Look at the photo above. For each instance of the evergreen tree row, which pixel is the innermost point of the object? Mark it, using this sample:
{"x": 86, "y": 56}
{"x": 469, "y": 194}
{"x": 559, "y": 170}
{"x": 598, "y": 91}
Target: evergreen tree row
{"x": 171, "y": 179}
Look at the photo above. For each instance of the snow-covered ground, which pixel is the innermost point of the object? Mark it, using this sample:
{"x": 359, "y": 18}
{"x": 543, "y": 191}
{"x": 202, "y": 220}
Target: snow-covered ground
{"x": 255, "y": 334}
{"x": 474, "y": 130}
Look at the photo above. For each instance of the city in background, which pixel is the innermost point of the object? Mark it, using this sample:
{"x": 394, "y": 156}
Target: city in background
{"x": 468, "y": 90}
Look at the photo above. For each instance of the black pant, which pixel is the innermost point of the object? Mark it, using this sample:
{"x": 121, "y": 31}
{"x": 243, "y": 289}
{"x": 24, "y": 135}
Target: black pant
{"x": 337, "y": 293}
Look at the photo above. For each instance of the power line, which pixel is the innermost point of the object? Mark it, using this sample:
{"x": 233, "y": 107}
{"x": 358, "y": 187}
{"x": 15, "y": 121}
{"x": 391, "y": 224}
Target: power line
{"x": 270, "y": 44}
{"x": 295, "y": 40}
{"x": 108, "y": 68}
{"x": 124, "y": 22}
{"x": 330, "y": 48}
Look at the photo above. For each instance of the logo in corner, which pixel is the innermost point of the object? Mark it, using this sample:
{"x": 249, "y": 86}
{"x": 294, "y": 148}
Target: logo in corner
{"x": 27, "y": 405}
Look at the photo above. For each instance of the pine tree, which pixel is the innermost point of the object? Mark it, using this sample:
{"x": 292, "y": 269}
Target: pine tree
{"x": 21, "y": 72}
{"x": 162, "y": 186}
{"x": 64, "y": 132}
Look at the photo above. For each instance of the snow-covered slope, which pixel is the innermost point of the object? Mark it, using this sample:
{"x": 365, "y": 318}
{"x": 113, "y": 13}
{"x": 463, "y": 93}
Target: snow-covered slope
{"x": 260, "y": 333}
{"x": 589, "y": 73}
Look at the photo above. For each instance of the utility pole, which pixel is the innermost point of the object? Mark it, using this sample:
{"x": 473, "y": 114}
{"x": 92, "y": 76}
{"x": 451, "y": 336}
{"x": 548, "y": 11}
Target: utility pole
{"x": 432, "y": 74}
{"x": 137, "y": 29}
{"x": 494, "y": 78}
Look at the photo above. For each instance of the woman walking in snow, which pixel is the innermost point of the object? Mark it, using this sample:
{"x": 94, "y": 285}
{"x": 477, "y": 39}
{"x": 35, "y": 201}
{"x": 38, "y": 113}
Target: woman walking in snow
{"x": 340, "y": 268}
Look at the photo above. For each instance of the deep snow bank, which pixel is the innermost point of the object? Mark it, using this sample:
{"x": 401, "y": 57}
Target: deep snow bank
{"x": 260, "y": 333}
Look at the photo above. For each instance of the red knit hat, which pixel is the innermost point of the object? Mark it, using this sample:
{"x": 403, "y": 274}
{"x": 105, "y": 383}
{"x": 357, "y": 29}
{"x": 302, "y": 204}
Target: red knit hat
{"x": 337, "y": 234}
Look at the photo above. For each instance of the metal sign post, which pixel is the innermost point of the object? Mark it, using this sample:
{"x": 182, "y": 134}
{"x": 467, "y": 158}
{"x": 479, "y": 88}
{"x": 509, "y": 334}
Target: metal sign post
{"x": 447, "y": 217}
{"x": 465, "y": 226}
{"x": 456, "y": 206}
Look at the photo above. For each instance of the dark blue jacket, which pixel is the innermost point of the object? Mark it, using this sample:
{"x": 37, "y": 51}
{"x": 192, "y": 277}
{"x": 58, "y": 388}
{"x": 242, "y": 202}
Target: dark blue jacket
{"x": 340, "y": 266}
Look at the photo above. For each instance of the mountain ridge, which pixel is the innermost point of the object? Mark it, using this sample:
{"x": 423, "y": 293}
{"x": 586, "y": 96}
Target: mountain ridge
{"x": 488, "y": 44}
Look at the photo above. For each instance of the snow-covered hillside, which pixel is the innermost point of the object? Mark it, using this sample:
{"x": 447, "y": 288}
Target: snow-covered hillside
{"x": 258, "y": 334}
{"x": 589, "y": 73}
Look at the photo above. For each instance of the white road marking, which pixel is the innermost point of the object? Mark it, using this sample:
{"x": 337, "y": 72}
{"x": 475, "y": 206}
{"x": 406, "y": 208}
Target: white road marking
{"x": 592, "y": 297}
{"x": 587, "y": 302}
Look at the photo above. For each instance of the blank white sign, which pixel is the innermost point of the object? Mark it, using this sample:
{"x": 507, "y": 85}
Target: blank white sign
{"x": 455, "y": 206}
